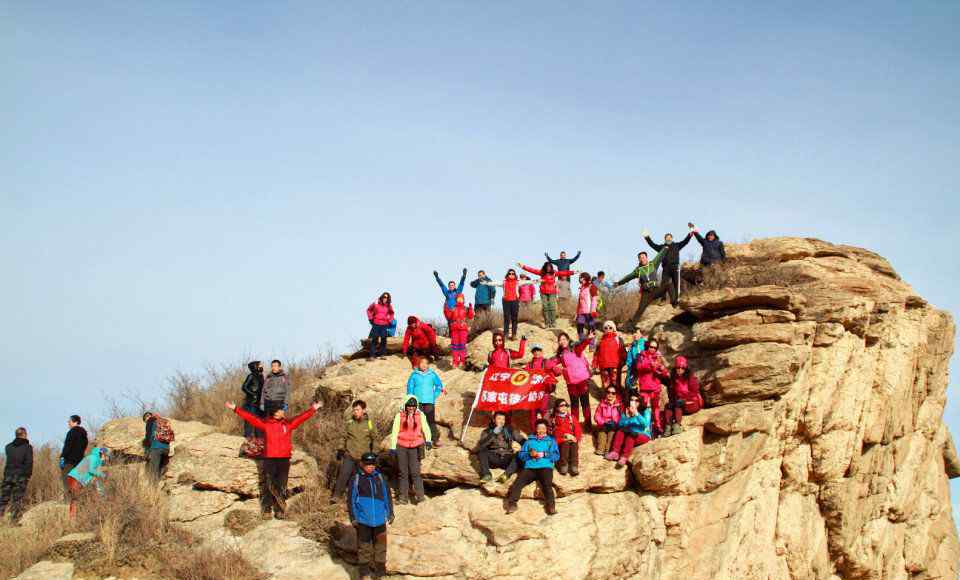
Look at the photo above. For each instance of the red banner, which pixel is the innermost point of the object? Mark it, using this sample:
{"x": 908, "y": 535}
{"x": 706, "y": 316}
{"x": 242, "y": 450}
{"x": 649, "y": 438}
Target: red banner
{"x": 511, "y": 389}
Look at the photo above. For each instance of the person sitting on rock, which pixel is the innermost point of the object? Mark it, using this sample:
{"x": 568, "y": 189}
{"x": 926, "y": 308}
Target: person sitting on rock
{"x": 610, "y": 356}
{"x": 86, "y": 472}
{"x": 277, "y": 449}
{"x": 371, "y": 509}
{"x": 408, "y": 438}
{"x": 566, "y": 430}
{"x": 538, "y": 363}
{"x": 651, "y": 371}
{"x": 425, "y": 384}
{"x": 459, "y": 317}
{"x": 685, "y": 396}
{"x": 606, "y": 418}
{"x": 636, "y": 348}
{"x": 419, "y": 340}
{"x": 381, "y": 317}
{"x": 538, "y": 455}
{"x": 495, "y": 449}
{"x": 359, "y": 438}
{"x": 633, "y": 429}
{"x": 501, "y": 356}
{"x": 571, "y": 362}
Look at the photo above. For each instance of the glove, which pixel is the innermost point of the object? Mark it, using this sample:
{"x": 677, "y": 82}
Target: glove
{"x": 429, "y": 445}
{"x": 464, "y": 271}
{"x": 339, "y": 454}
{"x": 435, "y": 273}
{"x": 646, "y": 233}
{"x": 523, "y": 337}
{"x": 353, "y": 523}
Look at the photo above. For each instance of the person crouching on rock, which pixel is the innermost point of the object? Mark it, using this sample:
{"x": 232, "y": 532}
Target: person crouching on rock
{"x": 278, "y": 446}
{"x": 685, "y": 396}
{"x": 538, "y": 455}
{"x": 410, "y": 435}
{"x": 459, "y": 317}
{"x": 371, "y": 509}
{"x": 633, "y": 429}
{"x": 495, "y": 449}
{"x": 567, "y": 432}
{"x": 419, "y": 340}
{"x": 86, "y": 472}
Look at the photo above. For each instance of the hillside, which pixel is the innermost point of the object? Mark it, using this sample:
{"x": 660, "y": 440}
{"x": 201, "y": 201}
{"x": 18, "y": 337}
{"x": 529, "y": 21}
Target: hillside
{"x": 822, "y": 453}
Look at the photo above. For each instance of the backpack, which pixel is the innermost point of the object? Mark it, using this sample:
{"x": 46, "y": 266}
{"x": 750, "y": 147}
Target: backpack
{"x": 163, "y": 432}
{"x": 252, "y": 447}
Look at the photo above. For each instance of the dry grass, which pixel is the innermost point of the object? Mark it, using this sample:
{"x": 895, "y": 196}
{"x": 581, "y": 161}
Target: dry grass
{"x": 740, "y": 273}
{"x": 23, "y": 547}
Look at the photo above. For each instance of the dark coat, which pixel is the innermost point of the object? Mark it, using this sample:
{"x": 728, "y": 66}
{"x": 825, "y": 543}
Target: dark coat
{"x": 253, "y": 386}
{"x": 75, "y": 445}
{"x": 488, "y": 436}
{"x": 671, "y": 258}
{"x": 19, "y": 455}
{"x": 713, "y": 251}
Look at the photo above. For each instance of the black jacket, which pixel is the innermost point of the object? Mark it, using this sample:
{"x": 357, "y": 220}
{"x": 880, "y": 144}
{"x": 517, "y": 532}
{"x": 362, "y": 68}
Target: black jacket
{"x": 487, "y": 437}
{"x": 253, "y": 387}
{"x": 671, "y": 259}
{"x": 19, "y": 454}
{"x": 75, "y": 445}
{"x": 713, "y": 251}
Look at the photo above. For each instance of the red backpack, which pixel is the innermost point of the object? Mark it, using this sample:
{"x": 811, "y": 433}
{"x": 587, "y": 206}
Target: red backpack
{"x": 163, "y": 432}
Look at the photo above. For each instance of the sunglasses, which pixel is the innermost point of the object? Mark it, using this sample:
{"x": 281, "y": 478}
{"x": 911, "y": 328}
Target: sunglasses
{"x": 563, "y": 405}
{"x": 611, "y": 392}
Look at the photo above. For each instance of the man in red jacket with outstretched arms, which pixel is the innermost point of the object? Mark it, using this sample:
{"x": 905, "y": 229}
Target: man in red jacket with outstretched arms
{"x": 274, "y": 464}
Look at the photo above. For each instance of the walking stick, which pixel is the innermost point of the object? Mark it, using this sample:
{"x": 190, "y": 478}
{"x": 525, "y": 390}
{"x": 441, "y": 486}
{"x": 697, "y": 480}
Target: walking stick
{"x": 463, "y": 430}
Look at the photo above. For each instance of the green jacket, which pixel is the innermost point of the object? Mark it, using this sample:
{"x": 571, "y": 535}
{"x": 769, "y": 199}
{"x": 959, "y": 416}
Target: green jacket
{"x": 359, "y": 437}
{"x": 646, "y": 274}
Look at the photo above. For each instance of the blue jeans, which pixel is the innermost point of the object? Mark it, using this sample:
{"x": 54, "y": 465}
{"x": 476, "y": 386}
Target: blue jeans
{"x": 378, "y": 339}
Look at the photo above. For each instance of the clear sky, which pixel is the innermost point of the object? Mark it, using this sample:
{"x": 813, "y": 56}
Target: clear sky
{"x": 191, "y": 184}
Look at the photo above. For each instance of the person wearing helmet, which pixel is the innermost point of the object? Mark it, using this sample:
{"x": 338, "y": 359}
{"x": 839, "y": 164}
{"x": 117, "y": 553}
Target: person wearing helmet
{"x": 371, "y": 509}
{"x": 408, "y": 439}
{"x": 685, "y": 396}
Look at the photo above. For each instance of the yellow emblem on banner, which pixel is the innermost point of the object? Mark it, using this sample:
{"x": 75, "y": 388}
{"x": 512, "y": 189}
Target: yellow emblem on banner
{"x": 520, "y": 378}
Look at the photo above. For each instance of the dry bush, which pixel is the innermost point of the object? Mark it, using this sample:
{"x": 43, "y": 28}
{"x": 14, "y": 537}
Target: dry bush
{"x": 206, "y": 563}
{"x": 317, "y": 517}
{"x": 619, "y": 306}
{"x": 24, "y": 547}
{"x": 740, "y": 273}
{"x": 487, "y": 320}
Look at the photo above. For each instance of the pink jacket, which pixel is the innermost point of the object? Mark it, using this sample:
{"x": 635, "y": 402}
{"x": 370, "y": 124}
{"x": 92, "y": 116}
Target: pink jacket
{"x": 380, "y": 313}
{"x": 527, "y": 292}
{"x": 606, "y": 413}
{"x": 688, "y": 388}
{"x": 576, "y": 368}
{"x": 587, "y": 304}
{"x": 649, "y": 372}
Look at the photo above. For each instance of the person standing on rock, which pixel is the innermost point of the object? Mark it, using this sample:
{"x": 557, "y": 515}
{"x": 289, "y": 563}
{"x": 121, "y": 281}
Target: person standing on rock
{"x": 276, "y": 388}
{"x": 252, "y": 393}
{"x": 17, "y": 472}
{"x": 548, "y": 289}
{"x": 650, "y": 287}
{"x": 74, "y": 448}
{"x": 495, "y": 449}
{"x": 155, "y": 449}
{"x": 576, "y": 372}
{"x": 277, "y": 449}
{"x": 538, "y": 454}
{"x": 451, "y": 290}
{"x": 566, "y": 430}
{"x": 527, "y": 289}
{"x": 713, "y": 250}
{"x": 408, "y": 438}
{"x": 610, "y": 356}
{"x": 419, "y": 340}
{"x": 671, "y": 261}
{"x": 587, "y": 302}
{"x": 538, "y": 363}
{"x": 359, "y": 438}
{"x": 561, "y": 264}
{"x": 486, "y": 292}
{"x": 510, "y": 302}
{"x": 459, "y": 319}
{"x": 638, "y": 345}
{"x": 371, "y": 508}
{"x": 634, "y": 428}
{"x": 381, "y": 317}
{"x": 685, "y": 396}
{"x": 425, "y": 384}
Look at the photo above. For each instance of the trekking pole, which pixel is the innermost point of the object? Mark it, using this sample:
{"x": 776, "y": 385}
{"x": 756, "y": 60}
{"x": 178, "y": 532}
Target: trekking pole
{"x": 463, "y": 430}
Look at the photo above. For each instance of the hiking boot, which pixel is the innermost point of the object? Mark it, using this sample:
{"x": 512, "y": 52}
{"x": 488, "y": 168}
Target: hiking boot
{"x": 486, "y": 478}
{"x": 511, "y": 507}
{"x": 677, "y": 428}
{"x": 419, "y": 499}
{"x": 403, "y": 501}
{"x": 621, "y": 463}
{"x": 280, "y": 515}
{"x": 503, "y": 478}
{"x": 437, "y": 444}
{"x": 612, "y": 456}
{"x": 562, "y": 469}
{"x": 574, "y": 471}
{"x": 266, "y": 516}
{"x": 551, "y": 509}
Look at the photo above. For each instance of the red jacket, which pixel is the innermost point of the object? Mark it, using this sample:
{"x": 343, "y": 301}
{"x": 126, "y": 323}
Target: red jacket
{"x": 501, "y": 357}
{"x": 548, "y": 282}
{"x": 422, "y": 337}
{"x": 564, "y": 425}
{"x": 458, "y": 316}
{"x": 610, "y": 354}
{"x": 544, "y": 364}
{"x": 649, "y": 371}
{"x": 380, "y": 313}
{"x": 277, "y": 435}
{"x": 687, "y": 388}
{"x": 510, "y": 290}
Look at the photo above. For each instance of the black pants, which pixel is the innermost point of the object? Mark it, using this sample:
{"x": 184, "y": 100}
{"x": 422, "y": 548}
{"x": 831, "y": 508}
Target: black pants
{"x": 488, "y": 459}
{"x": 348, "y": 467}
{"x": 248, "y": 429}
{"x": 649, "y": 295}
{"x": 378, "y": 339}
{"x": 430, "y": 410}
{"x": 672, "y": 275}
{"x": 371, "y": 548}
{"x": 511, "y": 316}
{"x": 273, "y": 490}
{"x": 12, "y": 490}
{"x": 157, "y": 460}
{"x": 481, "y": 308}
{"x": 527, "y": 476}
{"x": 408, "y": 463}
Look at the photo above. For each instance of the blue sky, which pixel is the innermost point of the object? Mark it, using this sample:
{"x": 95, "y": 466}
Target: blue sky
{"x": 186, "y": 185}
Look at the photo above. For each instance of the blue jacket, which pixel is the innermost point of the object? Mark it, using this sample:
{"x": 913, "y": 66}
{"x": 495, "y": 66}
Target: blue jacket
{"x": 88, "y": 469}
{"x": 636, "y": 348}
{"x": 450, "y": 296}
{"x": 369, "y": 502}
{"x": 636, "y": 425}
{"x": 485, "y": 293}
{"x": 546, "y": 445}
{"x": 425, "y": 386}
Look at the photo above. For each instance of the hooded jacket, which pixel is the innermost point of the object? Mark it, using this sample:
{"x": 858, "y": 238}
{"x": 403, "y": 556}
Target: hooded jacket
{"x": 636, "y": 348}
{"x": 607, "y": 412}
{"x": 713, "y": 250}
{"x": 450, "y": 296}
{"x": 671, "y": 258}
{"x": 19, "y": 463}
{"x": 610, "y": 353}
{"x": 495, "y": 442}
{"x": 576, "y": 369}
{"x": 501, "y": 357}
{"x": 74, "y": 445}
{"x": 406, "y": 434}
{"x": 486, "y": 291}
{"x": 277, "y": 434}
{"x": 548, "y": 282}
{"x": 380, "y": 314}
{"x": 649, "y": 372}
{"x": 562, "y": 264}
{"x": 638, "y": 424}
{"x": 687, "y": 388}
{"x": 359, "y": 437}
{"x": 423, "y": 337}
{"x": 459, "y": 315}
{"x": 527, "y": 291}
{"x": 370, "y": 501}
{"x": 546, "y": 445}
{"x": 253, "y": 385}
{"x": 426, "y": 386}
{"x": 587, "y": 299}
{"x": 89, "y": 469}
{"x": 276, "y": 389}
{"x": 646, "y": 274}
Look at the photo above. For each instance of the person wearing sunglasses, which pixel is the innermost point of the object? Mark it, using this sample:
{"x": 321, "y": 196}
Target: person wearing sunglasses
{"x": 381, "y": 317}
{"x": 632, "y": 430}
{"x": 605, "y": 420}
{"x": 567, "y": 432}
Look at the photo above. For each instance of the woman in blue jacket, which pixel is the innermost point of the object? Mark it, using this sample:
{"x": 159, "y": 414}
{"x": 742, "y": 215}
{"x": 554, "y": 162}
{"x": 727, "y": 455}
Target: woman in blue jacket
{"x": 371, "y": 509}
{"x": 538, "y": 455}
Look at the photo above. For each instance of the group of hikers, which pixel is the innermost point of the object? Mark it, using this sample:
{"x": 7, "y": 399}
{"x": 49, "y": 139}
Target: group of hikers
{"x": 629, "y": 413}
